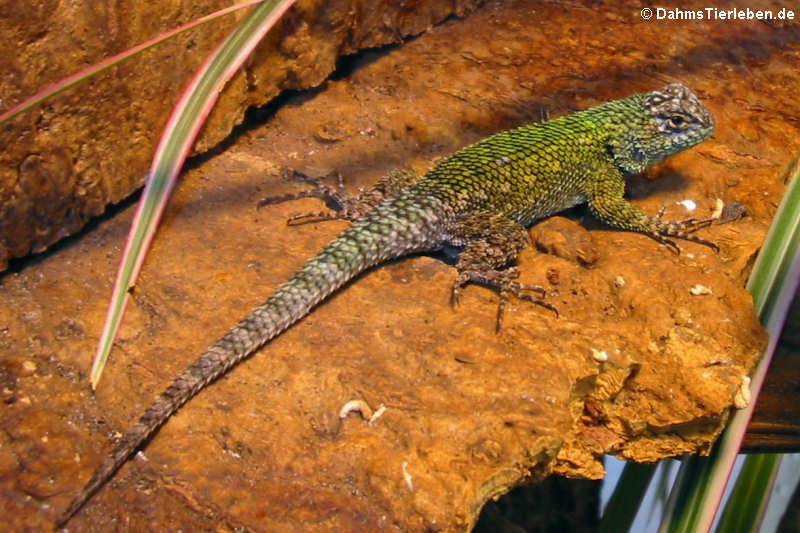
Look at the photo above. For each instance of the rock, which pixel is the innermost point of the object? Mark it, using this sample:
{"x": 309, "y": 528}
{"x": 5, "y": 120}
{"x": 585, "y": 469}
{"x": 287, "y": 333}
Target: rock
{"x": 64, "y": 162}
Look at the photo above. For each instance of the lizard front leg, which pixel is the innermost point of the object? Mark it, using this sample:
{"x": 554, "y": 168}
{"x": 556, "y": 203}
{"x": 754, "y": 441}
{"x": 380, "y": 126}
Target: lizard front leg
{"x": 343, "y": 205}
{"x": 605, "y": 191}
{"x": 491, "y": 243}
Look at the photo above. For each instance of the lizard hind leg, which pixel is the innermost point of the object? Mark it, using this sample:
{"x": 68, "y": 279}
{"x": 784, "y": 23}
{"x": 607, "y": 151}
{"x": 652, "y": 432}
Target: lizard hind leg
{"x": 343, "y": 205}
{"x": 491, "y": 244}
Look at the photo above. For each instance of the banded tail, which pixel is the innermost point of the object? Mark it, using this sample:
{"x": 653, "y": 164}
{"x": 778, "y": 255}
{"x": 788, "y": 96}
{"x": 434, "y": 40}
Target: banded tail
{"x": 388, "y": 231}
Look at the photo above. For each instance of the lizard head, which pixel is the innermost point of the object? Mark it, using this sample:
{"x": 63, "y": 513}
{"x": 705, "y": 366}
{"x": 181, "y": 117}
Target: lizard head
{"x": 679, "y": 117}
{"x": 674, "y": 120}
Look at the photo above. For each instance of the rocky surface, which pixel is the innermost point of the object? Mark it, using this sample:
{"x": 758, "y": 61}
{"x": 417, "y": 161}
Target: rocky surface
{"x": 65, "y": 162}
{"x": 636, "y": 365}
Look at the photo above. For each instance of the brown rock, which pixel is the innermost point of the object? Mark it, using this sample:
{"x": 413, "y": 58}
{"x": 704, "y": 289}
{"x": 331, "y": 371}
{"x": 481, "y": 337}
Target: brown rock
{"x": 261, "y": 449}
{"x": 566, "y": 239}
{"x": 64, "y": 162}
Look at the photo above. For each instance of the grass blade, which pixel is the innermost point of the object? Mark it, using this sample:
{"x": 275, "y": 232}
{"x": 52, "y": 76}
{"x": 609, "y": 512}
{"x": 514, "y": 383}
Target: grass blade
{"x": 747, "y": 503}
{"x": 179, "y": 135}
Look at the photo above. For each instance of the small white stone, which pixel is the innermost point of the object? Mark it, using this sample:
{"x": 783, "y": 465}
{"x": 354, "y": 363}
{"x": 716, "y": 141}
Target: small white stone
{"x": 690, "y": 205}
{"x": 407, "y": 477}
{"x": 377, "y": 414}
{"x": 743, "y": 396}
{"x": 699, "y": 290}
{"x": 718, "y": 206}
{"x": 599, "y": 355}
{"x": 356, "y": 405}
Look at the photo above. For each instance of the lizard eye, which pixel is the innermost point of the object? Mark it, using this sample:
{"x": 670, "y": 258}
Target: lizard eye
{"x": 676, "y": 122}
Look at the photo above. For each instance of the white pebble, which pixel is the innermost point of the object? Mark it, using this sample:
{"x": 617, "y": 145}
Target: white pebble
{"x": 699, "y": 290}
{"x": 743, "y": 396}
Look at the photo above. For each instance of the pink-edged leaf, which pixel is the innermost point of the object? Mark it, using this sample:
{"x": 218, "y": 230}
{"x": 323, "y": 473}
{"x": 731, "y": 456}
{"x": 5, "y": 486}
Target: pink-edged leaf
{"x": 85, "y": 74}
{"x": 179, "y": 135}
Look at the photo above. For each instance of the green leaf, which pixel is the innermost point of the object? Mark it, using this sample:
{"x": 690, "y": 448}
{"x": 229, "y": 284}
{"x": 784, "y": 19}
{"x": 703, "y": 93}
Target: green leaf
{"x": 747, "y": 502}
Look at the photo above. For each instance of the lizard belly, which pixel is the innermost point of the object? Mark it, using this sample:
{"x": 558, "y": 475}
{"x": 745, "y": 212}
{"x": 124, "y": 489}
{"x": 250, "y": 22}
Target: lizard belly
{"x": 546, "y": 208}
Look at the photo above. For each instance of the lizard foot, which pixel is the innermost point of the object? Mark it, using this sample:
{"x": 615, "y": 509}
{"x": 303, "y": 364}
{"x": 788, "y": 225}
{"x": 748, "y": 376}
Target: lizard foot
{"x": 683, "y": 229}
{"x": 504, "y": 282}
{"x": 343, "y": 205}
{"x": 661, "y": 235}
{"x": 680, "y": 229}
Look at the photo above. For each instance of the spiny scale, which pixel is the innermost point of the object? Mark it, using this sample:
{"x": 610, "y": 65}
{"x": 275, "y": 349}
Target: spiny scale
{"x": 480, "y": 198}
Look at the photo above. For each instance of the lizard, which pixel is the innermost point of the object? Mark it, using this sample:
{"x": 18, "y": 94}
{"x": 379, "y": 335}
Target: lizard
{"x": 480, "y": 200}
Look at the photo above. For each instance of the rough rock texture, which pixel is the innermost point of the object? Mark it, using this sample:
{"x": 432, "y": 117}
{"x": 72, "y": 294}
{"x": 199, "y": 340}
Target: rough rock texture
{"x": 66, "y": 161}
{"x": 469, "y": 413}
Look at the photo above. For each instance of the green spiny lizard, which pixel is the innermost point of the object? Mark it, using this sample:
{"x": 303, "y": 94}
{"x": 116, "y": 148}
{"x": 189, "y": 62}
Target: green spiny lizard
{"x": 481, "y": 199}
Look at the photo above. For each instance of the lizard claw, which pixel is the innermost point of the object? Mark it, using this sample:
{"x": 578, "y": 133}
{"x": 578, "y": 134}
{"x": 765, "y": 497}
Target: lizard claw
{"x": 680, "y": 229}
{"x": 704, "y": 242}
{"x": 527, "y": 297}
{"x": 516, "y": 289}
{"x": 669, "y": 244}
{"x": 502, "y": 281}
{"x": 454, "y": 294}
{"x": 674, "y": 248}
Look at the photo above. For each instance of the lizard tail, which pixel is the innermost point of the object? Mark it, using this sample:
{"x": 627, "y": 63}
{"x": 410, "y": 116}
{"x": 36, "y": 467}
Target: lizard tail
{"x": 372, "y": 240}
